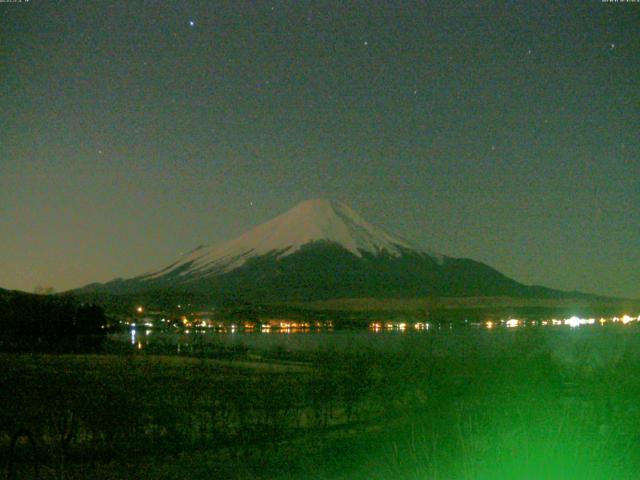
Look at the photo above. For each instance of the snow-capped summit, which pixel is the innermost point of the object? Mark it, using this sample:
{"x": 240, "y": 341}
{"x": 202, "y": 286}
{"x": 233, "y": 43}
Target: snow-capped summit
{"x": 309, "y": 221}
{"x": 318, "y": 250}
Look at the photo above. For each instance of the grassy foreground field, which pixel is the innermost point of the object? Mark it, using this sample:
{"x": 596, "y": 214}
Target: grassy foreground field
{"x": 515, "y": 413}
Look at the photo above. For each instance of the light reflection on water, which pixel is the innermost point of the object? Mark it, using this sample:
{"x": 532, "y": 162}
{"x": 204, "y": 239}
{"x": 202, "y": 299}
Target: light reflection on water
{"x": 594, "y": 343}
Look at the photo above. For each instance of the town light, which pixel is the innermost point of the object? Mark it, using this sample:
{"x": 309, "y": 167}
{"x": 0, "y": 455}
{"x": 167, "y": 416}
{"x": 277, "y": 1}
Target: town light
{"x": 573, "y": 322}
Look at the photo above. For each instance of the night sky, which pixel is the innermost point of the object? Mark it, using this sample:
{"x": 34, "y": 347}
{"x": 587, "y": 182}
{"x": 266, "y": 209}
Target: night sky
{"x": 507, "y": 132}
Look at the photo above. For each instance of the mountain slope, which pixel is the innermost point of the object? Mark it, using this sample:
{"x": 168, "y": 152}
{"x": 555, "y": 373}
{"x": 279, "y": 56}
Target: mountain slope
{"x": 310, "y": 221}
{"x": 320, "y": 250}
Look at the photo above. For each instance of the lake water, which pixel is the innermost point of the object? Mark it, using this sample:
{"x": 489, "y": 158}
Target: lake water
{"x": 596, "y": 344}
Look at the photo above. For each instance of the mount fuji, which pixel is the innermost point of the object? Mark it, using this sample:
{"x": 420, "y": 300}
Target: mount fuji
{"x": 319, "y": 250}
{"x": 323, "y": 221}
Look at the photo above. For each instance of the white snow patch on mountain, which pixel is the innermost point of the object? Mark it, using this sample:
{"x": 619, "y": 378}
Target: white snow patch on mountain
{"x": 309, "y": 221}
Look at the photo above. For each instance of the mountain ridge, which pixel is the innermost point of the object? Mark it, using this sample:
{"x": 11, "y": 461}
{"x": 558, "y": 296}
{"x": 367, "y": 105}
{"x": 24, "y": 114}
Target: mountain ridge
{"x": 311, "y": 220}
{"x": 319, "y": 250}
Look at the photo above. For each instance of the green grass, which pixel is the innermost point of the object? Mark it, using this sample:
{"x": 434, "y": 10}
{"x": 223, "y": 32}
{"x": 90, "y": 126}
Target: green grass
{"x": 470, "y": 413}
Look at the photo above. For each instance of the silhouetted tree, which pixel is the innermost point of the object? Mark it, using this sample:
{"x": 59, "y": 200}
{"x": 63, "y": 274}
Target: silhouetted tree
{"x": 50, "y": 319}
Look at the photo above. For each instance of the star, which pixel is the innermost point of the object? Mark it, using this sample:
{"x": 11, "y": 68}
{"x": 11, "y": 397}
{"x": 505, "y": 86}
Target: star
{"x": 612, "y": 45}
{"x": 366, "y": 43}
{"x": 192, "y": 23}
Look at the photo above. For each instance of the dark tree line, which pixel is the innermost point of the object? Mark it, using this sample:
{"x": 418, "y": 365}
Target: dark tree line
{"x": 49, "y": 317}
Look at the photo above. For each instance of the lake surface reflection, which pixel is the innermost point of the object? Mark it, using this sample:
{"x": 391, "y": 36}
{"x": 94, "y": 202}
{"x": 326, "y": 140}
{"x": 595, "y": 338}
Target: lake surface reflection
{"x": 595, "y": 344}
